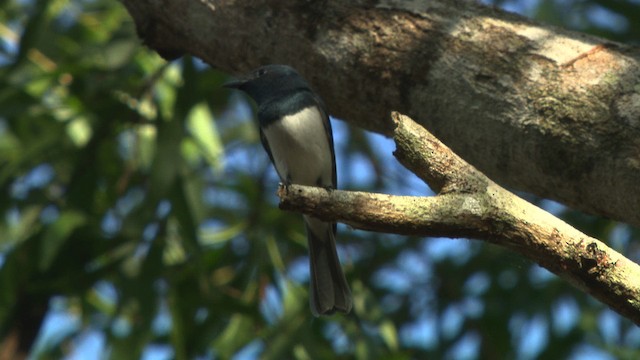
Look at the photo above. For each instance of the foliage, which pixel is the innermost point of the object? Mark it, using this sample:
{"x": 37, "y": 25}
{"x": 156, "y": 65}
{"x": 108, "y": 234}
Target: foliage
{"x": 138, "y": 212}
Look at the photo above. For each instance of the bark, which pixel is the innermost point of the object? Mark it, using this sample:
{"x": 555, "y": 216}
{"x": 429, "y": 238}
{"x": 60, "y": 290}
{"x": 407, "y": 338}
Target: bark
{"x": 468, "y": 204}
{"x": 535, "y": 108}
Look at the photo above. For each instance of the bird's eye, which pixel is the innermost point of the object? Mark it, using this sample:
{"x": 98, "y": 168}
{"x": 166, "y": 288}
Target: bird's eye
{"x": 261, "y": 72}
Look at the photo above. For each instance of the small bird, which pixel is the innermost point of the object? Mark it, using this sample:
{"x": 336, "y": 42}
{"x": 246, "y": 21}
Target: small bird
{"x": 296, "y": 133}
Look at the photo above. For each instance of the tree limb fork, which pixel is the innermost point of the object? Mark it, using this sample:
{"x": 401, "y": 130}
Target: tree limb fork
{"x": 468, "y": 204}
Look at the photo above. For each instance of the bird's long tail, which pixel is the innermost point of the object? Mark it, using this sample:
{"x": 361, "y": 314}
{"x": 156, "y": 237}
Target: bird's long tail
{"x": 329, "y": 291}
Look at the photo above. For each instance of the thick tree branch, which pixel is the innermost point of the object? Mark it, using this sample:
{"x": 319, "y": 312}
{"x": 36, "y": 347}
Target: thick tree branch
{"x": 469, "y": 204}
{"x": 536, "y": 108}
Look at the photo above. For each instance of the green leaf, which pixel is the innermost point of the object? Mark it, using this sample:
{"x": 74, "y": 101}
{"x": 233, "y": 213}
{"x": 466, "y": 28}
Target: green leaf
{"x": 187, "y": 210}
{"x": 55, "y": 236}
{"x": 201, "y": 126}
{"x": 118, "y": 53}
{"x": 389, "y": 334}
{"x": 237, "y": 334}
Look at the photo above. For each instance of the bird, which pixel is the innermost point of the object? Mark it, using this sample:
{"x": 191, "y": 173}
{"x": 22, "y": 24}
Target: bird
{"x": 295, "y": 131}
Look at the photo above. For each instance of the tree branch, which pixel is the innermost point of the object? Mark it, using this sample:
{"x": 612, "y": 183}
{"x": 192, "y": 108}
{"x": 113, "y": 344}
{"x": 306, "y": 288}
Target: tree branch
{"x": 536, "y": 108}
{"x": 469, "y": 204}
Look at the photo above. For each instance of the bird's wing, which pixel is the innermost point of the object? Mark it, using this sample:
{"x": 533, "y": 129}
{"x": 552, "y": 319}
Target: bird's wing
{"x": 329, "y": 132}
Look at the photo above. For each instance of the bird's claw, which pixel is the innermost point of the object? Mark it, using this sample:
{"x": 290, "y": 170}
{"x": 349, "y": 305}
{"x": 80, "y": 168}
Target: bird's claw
{"x": 329, "y": 188}
{"x": 285, "y": 185}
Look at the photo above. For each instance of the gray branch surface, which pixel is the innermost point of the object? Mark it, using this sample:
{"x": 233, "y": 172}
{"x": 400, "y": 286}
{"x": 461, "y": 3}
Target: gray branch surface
{"x": 536, "y": 108}
{"x": 468, "y": 204}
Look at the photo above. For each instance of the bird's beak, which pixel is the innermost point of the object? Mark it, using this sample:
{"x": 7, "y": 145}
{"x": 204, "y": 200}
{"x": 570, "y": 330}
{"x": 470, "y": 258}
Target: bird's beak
{"x": 235, "y": 84}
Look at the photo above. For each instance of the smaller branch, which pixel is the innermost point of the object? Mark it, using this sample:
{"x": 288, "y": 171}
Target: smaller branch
{"x": 432, "y": 161}
{"x": 470, "y": 205}
{"x": 404, "y": 215}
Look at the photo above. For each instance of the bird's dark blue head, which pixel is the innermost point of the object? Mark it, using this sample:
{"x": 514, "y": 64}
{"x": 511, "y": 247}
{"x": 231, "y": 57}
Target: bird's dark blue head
{"x": 270, "y": 82}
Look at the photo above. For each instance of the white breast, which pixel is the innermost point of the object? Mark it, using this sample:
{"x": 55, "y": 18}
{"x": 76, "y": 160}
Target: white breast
{"x": 300, "y": 148}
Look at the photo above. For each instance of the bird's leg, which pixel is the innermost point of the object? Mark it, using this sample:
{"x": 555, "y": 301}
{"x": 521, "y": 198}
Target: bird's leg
{"x": 319, "y": 183}
{"x": 329, "y": 188}
{"x": 286, "y": 183}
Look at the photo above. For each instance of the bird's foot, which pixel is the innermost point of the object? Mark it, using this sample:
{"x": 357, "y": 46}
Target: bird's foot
{"x": 285, "y": 186}
{"x": 329, "y": 188}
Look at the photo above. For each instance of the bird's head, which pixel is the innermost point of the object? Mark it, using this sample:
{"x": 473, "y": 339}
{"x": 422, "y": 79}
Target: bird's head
{"x": 270, "y": 81}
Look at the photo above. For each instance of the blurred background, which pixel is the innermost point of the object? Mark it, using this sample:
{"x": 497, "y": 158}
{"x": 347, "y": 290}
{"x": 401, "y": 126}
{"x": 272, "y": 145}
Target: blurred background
{"x": 138, "y": 219}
